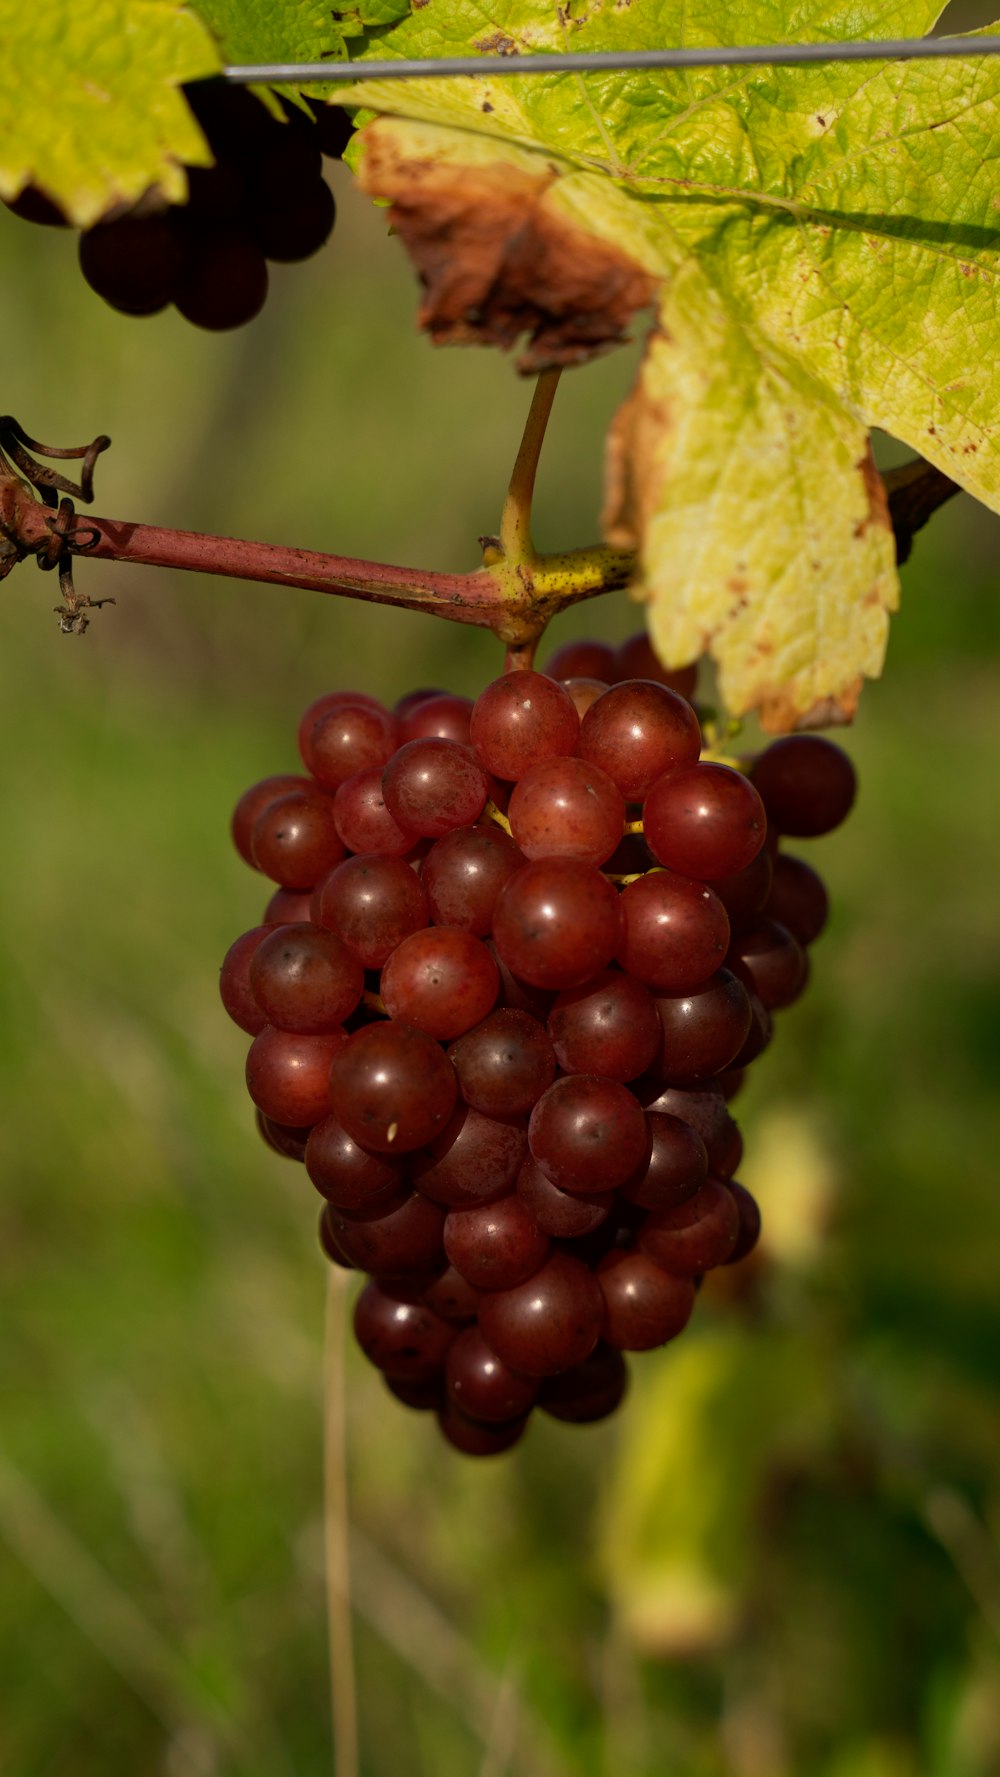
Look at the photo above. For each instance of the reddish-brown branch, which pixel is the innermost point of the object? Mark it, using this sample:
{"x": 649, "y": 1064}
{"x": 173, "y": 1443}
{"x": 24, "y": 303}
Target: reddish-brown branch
{"x": 515, "y": 603}
{"x": 472, "y": 596}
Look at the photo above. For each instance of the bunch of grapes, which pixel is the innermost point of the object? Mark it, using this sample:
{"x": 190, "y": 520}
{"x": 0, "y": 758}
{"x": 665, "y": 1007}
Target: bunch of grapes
{"x": 520, "y": 954}
{"x": 264, "y": 199}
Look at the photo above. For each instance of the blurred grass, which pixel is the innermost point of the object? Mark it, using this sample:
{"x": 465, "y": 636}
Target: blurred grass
{"x": 161, "y": 1597}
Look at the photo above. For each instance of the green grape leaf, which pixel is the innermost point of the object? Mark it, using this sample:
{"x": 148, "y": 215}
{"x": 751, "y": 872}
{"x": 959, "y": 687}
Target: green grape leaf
{"x": 820, "y": 246}
{"x": 92, "y": 113}
{"x": 374, "y": 13}
{"x": 274, "y": 30}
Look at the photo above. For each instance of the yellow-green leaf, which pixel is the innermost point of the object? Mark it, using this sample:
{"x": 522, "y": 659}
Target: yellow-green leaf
{"x": 92, "y": 113}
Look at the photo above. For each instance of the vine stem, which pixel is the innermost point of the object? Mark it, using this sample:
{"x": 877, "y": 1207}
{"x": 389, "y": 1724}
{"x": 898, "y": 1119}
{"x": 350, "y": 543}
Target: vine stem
{"x": 512, "y": 602}
{"x": 336, "y": 1531}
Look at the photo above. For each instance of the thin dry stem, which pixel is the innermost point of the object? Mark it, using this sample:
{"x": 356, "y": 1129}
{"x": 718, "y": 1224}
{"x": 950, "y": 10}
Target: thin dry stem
{"x": 336, "y": 1531}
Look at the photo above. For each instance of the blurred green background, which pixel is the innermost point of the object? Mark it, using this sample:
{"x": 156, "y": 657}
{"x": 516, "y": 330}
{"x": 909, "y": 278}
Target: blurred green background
{"x": 782, "y": 1559}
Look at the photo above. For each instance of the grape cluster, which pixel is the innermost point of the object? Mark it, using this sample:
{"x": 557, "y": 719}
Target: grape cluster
{"x": 520, "y": 953}
{"x": 264, "y": 199}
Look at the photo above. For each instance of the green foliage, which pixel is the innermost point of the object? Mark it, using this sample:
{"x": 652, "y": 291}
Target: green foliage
{"x": 825, "y": 242}
{"x": 91, "y": 109}
{"x": 274, "y": 30}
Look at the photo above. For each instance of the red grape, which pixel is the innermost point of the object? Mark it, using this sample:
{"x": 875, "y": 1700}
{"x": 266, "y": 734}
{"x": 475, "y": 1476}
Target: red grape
{"x": 704, "y": 822}
{"x": 391, "y": 1086}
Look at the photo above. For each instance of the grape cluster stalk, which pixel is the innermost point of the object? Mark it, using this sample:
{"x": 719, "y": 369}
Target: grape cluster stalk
{"x": 520, "y": 953}
{"x": 264, "y": 200}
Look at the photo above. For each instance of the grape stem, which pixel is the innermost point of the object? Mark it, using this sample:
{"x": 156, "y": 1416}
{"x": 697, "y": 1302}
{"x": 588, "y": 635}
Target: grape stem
{"x": 515, "y": 521}
{"x": 516, "y": 598}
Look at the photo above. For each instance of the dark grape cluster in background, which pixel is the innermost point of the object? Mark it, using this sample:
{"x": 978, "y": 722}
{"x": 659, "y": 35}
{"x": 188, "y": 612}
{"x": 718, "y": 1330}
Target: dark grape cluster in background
{"x": 500, "y": 1024}
{"x": 265, "y": 199}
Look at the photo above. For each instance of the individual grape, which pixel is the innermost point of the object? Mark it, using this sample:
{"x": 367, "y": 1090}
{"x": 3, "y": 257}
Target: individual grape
{"x": 550, "y": 1323}
{"x": 402, "y": 1337}
{"x": 675, "y": 1169}
{"x": 797, "y": 899}
{"x": 32, "y": 205}
{"x": 727, "y": 1152}
{"x": 771, "y": 962}
{"x": 704, "y": 822}
{"x": 472, "y": 1160}
{"x": 347, "y": 1175}
{"x": 495, "y": 1245}
{"x": 433, "y": 786}
{"x": 330, "y": 1245}
{"x": 234, "y": 981}
{"x": 298, "y": 226}
{"x": 760, "y": 1032}
{"x": 806, "y": 783}
{"x": 638, "y": 731}
{"x": 504, "y": 1064}
{"x": 391, "y": 1086}
{"x": 557, "y": 923}
{"x": 559, "y": 1213}
{"x": 283, "y": 160}
{"x": 636, "y": 658}
{"x": 584, "y": 692}
{"x": 591, "y": 1391}
{"x": 372, "y": 902}
{"x": 404, "y": 705}
{"x": 231, "y": 116}
{"x": 136, "y": 263}
{"x": 283, "y": 1138}
{"x": 288, "y": 1074}
{"x": 437, "y": 716}
{"x": 254, "y": 801}
{"x": 675, "y": 931}
{"x": 289, "y": 907}
{"x": 582, "y": 660}
{"x": 749, "y": 1214}
{"x": 703, "y": 1107}
{"x": 566, "y": 808}
{"x": 350, "y": 738}
{"x": 294, "y": 840}
{"x": 402, "y": 1238}
{"x": 423, "y": 1397}
{"x": 588, "y": 1133}
{"x": 334, "y": 126}
{"x": 521, "y": 719}
{"x": 305, "y": 979}
{"x": 481, "y": 1386}
{"x": 225, "y": 282}
{"x": 744, "y": 893}
{"x": 475, "y": 1438}
{"x": 702, "y": 1032}
{"x": 363, "y": 821}
{"x": 464, "y": 872}
{"x": 217, "y": 193}
{"x": 441, "y": 979}
{"x": 325, "y": 705}
{"x": 608, "y": 1026}
{"x": 644, "y": 1306}
{"x": 452, "y": 1296}
{"x": 693, "y": 1236}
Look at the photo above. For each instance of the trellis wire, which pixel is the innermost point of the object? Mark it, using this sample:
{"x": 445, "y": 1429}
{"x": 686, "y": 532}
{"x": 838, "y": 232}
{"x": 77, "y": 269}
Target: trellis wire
{"x": 762, "y": 55}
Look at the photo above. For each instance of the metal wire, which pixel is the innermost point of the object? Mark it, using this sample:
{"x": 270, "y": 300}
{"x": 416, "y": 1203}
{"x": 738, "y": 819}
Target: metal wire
{"x": 763, "y": 55}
